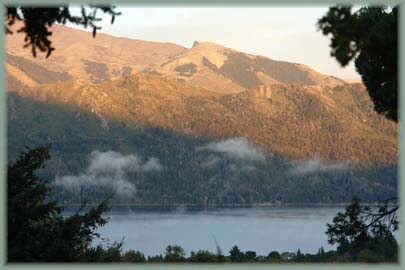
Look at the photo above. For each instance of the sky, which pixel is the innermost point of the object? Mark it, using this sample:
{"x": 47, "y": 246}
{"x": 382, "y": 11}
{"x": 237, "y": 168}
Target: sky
{"x": 280, "y": 33}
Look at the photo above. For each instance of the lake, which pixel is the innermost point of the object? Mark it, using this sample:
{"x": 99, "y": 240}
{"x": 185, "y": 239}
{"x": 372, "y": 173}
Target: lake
{"x": 260, "y": 228}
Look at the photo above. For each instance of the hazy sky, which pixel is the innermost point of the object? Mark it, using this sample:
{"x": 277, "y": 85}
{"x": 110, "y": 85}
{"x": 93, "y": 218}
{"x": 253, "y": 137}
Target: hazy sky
{"x": 280, "y": 33}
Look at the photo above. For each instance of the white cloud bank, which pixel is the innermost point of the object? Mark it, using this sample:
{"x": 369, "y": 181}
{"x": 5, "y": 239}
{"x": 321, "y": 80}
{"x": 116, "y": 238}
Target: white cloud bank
{"x": 211, "y": 161}
{"x": 238, "y": 148}
{"x": 109, "y": 169}
{"x": 315, "y": 165}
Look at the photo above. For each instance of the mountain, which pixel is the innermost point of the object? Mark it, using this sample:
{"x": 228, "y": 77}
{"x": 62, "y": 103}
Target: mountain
{"x": 225, "y": 70}
{"x": 79, "y": 55}
{"x": 206, "y": 64}
{"x": 226, "y": 126}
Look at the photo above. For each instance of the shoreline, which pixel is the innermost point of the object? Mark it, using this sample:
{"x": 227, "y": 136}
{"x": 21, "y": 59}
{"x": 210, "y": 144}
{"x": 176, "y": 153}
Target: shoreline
{"x": 217, "y": 205}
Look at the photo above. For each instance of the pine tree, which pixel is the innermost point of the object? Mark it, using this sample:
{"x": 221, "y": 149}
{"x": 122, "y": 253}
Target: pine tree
{"x": 36, "y": 229}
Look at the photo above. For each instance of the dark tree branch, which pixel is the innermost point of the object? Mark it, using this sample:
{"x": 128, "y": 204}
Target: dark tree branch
{"x": 369, "y": 37}
{"x": 38, "y": 20}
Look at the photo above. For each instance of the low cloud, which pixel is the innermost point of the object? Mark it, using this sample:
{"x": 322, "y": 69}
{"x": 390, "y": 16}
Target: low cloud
{"x": 211, "y": 161}
{"x": 153, "y": 164}
{"x": 109, "y": 169}
{"x": 238, "y": 148}
{"x": 315, "y": 165}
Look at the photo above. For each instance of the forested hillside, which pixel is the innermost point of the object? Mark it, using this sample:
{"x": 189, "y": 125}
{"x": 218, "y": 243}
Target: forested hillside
{"x": 158, "y": 123}
{"x": 193, "y": 170}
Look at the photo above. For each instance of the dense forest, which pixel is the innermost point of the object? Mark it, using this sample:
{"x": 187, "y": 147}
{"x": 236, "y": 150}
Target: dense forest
{"x": 191, "y": 172}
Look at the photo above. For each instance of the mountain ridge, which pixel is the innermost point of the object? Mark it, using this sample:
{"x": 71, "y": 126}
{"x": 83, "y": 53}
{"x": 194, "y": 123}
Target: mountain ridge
{"x": 107, "y": 57}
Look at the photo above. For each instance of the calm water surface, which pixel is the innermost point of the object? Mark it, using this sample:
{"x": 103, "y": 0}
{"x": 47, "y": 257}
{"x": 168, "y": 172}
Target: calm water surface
{"x": 261, "y": 229}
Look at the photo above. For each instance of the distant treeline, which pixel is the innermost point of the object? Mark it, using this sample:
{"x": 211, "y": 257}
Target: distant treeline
{"x": 176, "y": 254}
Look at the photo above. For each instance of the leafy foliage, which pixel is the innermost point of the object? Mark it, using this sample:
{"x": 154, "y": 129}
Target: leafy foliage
{"x": 236, "y": 255}
{"x": 206, "y": 256}
{"x": 37, "y": 21}
{"x": 133, "y": 256}
{"x": 361, "y": 240}
{"x": 274, "y": 256}
{"x": 111, "y": 253}
{"x": 369, "y": 36}
{"x": 37, "y": 231}
{"x": 174, "y": 254}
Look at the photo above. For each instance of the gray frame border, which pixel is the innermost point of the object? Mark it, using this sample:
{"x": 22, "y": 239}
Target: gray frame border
{"x": 168, "y": 266}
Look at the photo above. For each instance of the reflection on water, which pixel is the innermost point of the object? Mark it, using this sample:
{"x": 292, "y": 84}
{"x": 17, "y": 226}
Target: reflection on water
{"x": 260, "y": 228}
